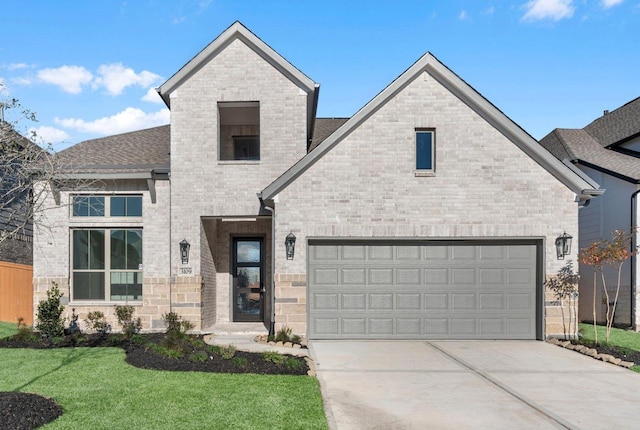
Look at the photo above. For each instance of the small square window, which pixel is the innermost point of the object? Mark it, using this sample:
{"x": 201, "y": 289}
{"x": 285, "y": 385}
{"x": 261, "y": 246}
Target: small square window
{"x": 425, "y": 150}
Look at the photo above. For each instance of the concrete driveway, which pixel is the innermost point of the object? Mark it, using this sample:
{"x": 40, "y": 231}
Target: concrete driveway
{"x": 471, "y": 384}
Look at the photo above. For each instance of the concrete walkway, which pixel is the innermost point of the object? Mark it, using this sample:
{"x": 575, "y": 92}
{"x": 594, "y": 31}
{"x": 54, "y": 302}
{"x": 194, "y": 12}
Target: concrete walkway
{"x": 471, "y": 385}
{"x": 244, "y": 342}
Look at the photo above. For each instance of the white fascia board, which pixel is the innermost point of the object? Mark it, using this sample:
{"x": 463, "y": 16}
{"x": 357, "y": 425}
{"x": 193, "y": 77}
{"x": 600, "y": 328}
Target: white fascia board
{"x": 235, "y": 31}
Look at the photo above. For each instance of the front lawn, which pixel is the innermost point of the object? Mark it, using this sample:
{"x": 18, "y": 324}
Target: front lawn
{"x": 98, "y": 390}
{"x": 7, "y": 329}
{"x": 620, "y": 339}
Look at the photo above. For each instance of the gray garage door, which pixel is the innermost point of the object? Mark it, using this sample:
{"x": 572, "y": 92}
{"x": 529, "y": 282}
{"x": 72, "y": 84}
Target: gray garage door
{"x": 432, "y": 290}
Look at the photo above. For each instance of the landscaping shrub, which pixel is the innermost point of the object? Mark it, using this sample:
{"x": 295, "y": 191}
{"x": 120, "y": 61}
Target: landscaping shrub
{"x": 49, "y": 316}
{"x": 98, "y": 322}
{"x": 284, "y": 334}
{"x": 292, "y": 363}
{"x": 239, "y": 361}
{"x": 273, "y": 357}
{"x": 25, "y": 333}
{"x": 228, "y": 352}
{"x": 130, "y": 326}
{"x": 198, "y": 356}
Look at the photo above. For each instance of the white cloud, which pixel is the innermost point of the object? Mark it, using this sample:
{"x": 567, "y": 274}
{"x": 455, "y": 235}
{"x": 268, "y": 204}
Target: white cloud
{"x": 548, "y": 9}
{"x": 116, "y": 77}
{"x": 128, "y": 120}
{"x": 463, "y": 15}
{"x": 152, "y": 96}
{"x": 69, "y": 78}
{"x": 18, "y": 66}
{"x": 46, "y": 134}
{"x": 489, "y": 11}
{"x": 610, "y": 3}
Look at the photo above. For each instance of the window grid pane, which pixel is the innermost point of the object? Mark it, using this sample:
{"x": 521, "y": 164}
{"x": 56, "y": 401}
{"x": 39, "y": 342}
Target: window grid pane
{"x": 424, "y": 150}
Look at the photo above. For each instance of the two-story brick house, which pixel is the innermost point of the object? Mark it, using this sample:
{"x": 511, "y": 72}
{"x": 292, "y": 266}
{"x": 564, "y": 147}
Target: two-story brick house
{"x": 428, "y": 214}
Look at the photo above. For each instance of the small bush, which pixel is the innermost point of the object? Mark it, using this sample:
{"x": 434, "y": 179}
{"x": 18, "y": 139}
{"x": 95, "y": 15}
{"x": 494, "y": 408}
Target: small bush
{"x": 130, "y": 326}
{"x": 273, "y": 357}
{"x": 199, "y": 356}
{"x": 198, "y": 343}
{"x": 296, "y": 338}
{"x": 239, "y": 361}
{"x": 284, "y": 334}
{"x": 98, "y": 322}
{"x": 50, "y": 322}
{"x": 292, "y": 363}
{"x": 214, "y": 349}
{"x": 228, "y": 352}
{"x": 74, "y": 328}
{"x": 25, "y": 333}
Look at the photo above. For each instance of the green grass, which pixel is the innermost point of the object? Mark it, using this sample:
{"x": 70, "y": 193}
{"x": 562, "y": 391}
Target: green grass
{"x": 619, "y": 338}
{"x": 98, "y": 390}
{"x": 7, "y": 329}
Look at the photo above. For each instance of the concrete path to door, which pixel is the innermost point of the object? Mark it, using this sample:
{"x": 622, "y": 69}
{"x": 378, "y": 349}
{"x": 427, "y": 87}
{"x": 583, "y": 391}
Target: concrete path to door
{"x": 471, "y": 385}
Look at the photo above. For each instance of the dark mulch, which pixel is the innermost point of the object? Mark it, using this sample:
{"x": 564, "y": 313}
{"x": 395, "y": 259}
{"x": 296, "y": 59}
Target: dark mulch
{"x": 28, "y": 411}
{"x": 625, "y": 354}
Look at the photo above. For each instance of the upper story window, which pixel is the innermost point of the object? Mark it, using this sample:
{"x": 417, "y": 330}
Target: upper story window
{"x": 112, "y": 206}
{"x": 239, "y": 130}
{"x": 425, "y": 151}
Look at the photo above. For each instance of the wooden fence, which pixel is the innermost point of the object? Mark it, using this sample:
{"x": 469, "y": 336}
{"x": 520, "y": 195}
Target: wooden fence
{"x": 16, "y": 292}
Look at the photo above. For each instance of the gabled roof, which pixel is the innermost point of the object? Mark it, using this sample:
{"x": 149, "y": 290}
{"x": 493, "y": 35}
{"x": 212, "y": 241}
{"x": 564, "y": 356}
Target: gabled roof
{"x": 428, "y": 63}
{"x": 237, "y": 31}
{"x": 595, "y": 145}
{"x": 135, "y": 152}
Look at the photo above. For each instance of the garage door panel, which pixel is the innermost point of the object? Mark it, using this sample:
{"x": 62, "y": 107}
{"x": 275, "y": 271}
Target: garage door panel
{"x": 427, "y": 291}
{"x": 353, "y": 276}
{"x": 381, "y": 302}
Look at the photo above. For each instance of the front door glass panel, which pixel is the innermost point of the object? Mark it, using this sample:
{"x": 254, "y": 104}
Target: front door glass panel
{"x": 248, "y": 279}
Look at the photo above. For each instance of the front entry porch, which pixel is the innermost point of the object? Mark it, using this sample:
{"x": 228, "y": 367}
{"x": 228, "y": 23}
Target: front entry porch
{"x": 237, "y": 274}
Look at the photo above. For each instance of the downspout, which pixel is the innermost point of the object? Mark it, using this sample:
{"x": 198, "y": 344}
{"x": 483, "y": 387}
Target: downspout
{"x": 171, "y": 278}
{"x": 272, "y": 323}
{"x": 632, "y": 287}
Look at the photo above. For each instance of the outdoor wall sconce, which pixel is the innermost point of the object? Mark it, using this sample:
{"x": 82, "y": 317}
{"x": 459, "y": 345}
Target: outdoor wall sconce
{"x": 563, "y": 245}
{"x": 290, "y": 244}
{"x": 184, "y": 251}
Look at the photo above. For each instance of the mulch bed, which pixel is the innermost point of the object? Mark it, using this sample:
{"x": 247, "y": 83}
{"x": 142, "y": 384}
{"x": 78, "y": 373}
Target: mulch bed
{"x": 624, "y": 354}
{"x": 20, "y": 411}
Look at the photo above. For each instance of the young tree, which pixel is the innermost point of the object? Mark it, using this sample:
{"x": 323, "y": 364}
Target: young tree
{"x": 22, "y": 163}
{"x": 613, "y": 254}
{"x": 564, "y": 286}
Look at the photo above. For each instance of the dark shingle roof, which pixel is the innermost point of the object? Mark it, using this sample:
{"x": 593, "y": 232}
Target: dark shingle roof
{"x": 137, "y": 151}
{"x": 591, "y": 145}
{"x": 617, "y": 126}
{"x": 324, "y": 127}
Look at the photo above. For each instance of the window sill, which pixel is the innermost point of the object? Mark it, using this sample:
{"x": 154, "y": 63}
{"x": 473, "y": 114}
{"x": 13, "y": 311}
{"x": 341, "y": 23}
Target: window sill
{"x": 233, "y": 162}
{"x": 105, "y": 303}
{"x": 424, "y": 173}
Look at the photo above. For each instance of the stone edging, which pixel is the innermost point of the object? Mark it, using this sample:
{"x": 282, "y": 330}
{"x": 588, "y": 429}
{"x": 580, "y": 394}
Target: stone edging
{"x": 591, "y": 352}
{"x": 303, "y": 344}
{"x": 264, "y": 339}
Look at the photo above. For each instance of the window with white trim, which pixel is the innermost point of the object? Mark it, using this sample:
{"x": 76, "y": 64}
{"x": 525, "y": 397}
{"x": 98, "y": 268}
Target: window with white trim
{"x": 106, "y": 264}
{"x": 107, "y": 206}
{"x": 425, "y": 150}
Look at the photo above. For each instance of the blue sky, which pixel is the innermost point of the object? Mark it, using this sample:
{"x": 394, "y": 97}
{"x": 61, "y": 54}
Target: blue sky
{"x": 88, "y": 68}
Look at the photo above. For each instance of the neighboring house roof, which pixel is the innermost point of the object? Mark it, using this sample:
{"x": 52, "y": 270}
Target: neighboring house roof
{"x": 324, "y": 127}
{"x": 583, "y": 187}
{"x": 136, "y": 152}
{"x": 592, "y": 146}
{"x": 239, "y": 31}
{"x": 617, "y": 127}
